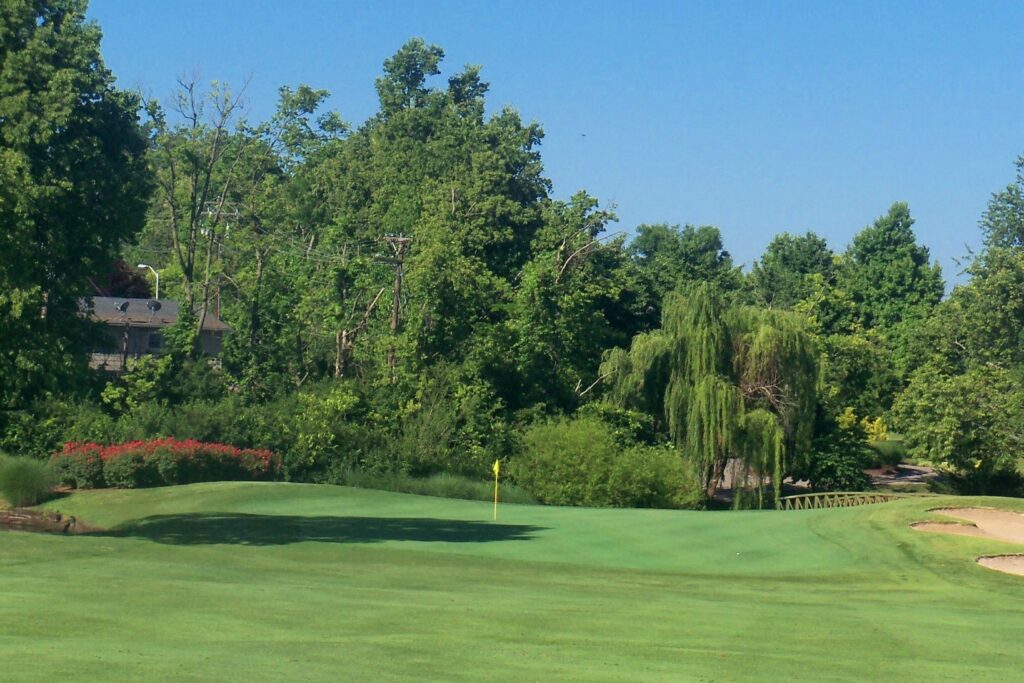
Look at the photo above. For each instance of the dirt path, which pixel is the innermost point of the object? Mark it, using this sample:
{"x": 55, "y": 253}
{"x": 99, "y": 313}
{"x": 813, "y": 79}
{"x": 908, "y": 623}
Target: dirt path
{"x": 1000, "y": 525}
{"x": 902, "y": 475}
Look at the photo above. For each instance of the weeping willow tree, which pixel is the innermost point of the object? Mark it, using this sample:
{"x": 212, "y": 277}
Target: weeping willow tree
{"x": 725, "y": 382}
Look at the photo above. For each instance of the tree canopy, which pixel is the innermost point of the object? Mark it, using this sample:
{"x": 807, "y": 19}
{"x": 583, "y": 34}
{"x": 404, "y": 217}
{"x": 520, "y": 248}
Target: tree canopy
{"x": 408, "y": 295}
{"x": 72, "y": 187}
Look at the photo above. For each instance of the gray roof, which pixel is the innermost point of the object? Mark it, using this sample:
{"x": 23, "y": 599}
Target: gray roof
{"x": 105, "y": 309}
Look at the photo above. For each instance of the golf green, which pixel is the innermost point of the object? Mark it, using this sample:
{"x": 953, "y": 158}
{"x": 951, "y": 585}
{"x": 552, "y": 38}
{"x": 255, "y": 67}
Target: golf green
{"x": 252, "y": 582}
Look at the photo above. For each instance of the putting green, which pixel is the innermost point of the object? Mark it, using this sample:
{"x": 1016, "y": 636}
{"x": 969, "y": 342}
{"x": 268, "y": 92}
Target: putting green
{"x": 283, "y": 581}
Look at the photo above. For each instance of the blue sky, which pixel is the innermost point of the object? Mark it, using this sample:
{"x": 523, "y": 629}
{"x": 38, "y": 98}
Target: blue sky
{"x": 757, "y": 117}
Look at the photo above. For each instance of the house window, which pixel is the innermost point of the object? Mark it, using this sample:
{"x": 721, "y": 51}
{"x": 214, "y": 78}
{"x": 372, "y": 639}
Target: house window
{"x": 156, "y": 341}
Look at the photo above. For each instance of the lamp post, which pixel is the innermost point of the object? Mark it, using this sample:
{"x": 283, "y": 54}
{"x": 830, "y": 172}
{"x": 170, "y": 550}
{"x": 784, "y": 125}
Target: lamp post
{"x": 143, "y": 265}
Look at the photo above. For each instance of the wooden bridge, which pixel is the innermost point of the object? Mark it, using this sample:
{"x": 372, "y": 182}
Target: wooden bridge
{"x": 812, "y": 501}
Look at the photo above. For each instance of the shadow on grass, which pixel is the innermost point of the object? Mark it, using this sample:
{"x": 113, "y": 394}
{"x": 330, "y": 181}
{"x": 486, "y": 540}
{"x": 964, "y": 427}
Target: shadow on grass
{"x": 259, "y": 530}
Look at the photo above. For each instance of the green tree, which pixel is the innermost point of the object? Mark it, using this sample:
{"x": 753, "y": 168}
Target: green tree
{"x": 969, "y": 423}
{"x": 783, "y": 276}
{"x": 724, "y": 381}
{"x": 887, "y": 273}
{"x": 670, "y": 257}
{"x": 73, "y": 186}
{"x": 1003, "y": 222}
{"x": 579, "y": 295}
{"x": 981, "y": 321}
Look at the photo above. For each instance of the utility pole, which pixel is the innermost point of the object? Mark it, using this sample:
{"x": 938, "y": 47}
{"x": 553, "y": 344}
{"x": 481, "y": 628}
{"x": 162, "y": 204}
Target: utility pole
{"x": 400, "y": 245}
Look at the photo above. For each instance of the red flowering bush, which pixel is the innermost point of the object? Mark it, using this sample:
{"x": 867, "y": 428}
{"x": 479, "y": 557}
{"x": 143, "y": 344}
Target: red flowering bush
{"x": 161, "y": 462}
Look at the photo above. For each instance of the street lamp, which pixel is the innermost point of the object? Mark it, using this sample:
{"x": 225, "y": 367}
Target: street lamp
{"x": 143, "y": 265}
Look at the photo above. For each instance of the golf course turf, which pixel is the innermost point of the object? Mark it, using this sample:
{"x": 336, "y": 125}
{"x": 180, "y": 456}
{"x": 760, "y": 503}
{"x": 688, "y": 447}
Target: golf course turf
{"x": 252, "y": 582}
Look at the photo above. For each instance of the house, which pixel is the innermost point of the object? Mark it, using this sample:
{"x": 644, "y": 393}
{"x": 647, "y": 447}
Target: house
{"x": 135, "y": 327}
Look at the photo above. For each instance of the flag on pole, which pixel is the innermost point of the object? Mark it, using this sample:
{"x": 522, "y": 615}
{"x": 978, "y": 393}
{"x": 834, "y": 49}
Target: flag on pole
{"x": 497, "y": 471}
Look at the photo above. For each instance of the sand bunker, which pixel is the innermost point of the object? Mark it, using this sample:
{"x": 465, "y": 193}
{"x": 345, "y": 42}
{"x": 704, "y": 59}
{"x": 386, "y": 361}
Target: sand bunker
{"x": 1010, "y": 564}
{"x": 1000, "y": 525}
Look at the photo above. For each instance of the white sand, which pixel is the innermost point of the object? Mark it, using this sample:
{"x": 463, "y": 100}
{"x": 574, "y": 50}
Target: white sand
{"x": 1010, "y": 564}
{"x": 1000, "y": 525}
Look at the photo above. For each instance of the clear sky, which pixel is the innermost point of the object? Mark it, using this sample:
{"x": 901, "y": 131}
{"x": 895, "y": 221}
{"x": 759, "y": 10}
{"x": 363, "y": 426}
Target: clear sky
{"x": 757, "y": 117}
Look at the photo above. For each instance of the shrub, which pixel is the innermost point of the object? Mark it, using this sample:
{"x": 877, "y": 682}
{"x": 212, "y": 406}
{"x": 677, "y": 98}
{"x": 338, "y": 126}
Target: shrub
{"x": 139, "y": 464}
{"x": 652, "y": 478}
{"x": 567, "y": 462}
{"x": 24, "y": 481}
{"x": 629, "y": 427}
{"x": 581, "y": 462}
{"x": 888, "y": 452}
{"x": 80, "y": 469}
{"x": 838, "y": 459}
{"x": 130, "y": 471}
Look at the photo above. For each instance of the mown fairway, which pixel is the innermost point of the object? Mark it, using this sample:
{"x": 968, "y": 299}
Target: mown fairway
{"x": 292, "y": 582}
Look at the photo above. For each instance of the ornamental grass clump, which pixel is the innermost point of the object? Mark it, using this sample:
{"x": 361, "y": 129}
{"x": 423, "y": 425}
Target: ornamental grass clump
{"x": 161, "y": 462}
{"x": 24, "y": 481}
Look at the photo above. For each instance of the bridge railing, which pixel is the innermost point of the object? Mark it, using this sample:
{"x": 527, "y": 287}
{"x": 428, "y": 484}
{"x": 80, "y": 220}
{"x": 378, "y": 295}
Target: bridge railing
{"x": 835, "y": 499}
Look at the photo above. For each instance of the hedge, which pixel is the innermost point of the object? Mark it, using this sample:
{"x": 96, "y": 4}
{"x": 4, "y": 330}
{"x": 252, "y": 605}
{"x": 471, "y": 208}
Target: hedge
{"x": 161, "y": 462}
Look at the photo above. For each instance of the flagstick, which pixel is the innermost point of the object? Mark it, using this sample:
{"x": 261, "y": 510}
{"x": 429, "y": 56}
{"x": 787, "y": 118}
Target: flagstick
{"x": 496, "y": 469}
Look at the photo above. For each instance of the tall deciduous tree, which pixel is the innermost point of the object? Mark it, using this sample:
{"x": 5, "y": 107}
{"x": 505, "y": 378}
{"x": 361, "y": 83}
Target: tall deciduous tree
{"x": 784, "y": 275}
{"x": 671, "y": 257}
{"x": 72, "y": 186}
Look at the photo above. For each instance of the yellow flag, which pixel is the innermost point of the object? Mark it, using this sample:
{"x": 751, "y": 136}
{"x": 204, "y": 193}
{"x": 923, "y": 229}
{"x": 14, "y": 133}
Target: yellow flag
{"x": 497, "y": 469}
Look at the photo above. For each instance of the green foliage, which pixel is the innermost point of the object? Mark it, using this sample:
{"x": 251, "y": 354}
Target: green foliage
{"x": 131, "y": 471}
{"x": 887, "y": 273}
{"x": 73, "y": 186}
{"x": 838, "y": 458}
{"x": 785, "y": 274}
{"x": 323, "y": 431}
{"x": 437, "y": 485}
{"x": 581, "y": 462}
{"x": 982, "y": 321}
{"x": 708, "y": 367}
{"x": 889, "y": 452}
{"x": 653, "y": 477}
{"x": 968, "y": 423}
{"x": 405, "y": 75}
{"x": 146, "y": 380}
{"x": 567, "y": 462}
{"x": 670, "y": 258}
{"x": 1003, "y": 221}
{"x": 34, "y": 432}
{"x": 629, "y": 427}
{"x": 82, "y": 470}
{"x": 858, "y": 372}
{"x": 24, "y": 481}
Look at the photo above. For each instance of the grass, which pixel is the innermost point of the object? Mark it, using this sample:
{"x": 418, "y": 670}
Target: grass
{"x": 24, "y": 481}
{"x": 242, "y": 581}
{"x": 439, "y": 485}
